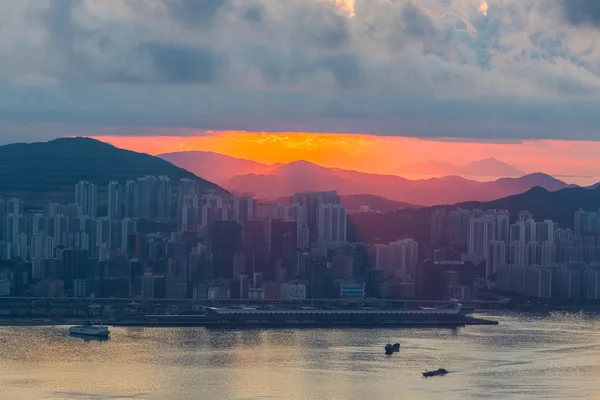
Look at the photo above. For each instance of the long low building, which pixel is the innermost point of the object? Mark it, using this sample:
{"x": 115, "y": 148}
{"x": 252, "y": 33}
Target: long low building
{"x": 452, "y": 315}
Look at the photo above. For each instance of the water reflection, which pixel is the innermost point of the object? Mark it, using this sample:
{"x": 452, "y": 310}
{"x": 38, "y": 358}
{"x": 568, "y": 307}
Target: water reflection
{"x": 88, "y": 338}
{"x": 525, "y": 357}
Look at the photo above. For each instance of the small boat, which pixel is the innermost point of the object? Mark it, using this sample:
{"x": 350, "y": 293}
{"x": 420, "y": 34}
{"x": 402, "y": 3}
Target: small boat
{"x": 389, "y": 349}
{"x": 90, "y": 330}
{"x": 440, "y": 371}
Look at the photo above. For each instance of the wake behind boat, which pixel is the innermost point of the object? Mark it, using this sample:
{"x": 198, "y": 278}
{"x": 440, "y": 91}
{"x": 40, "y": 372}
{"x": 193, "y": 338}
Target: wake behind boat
{"x": 88, "y": 329}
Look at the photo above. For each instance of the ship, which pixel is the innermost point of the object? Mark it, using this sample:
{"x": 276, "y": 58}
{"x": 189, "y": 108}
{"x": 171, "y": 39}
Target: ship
{"x": 391, "y": 349}
{"x": 440, "y": 371}
{"x": 88, "y": 329}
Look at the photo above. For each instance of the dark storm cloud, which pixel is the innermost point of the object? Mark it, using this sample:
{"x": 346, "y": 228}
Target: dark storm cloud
{"x": 177, "y": 64}
{"x": 347, "y": 70}
{"x": 417, "y": 24}
{"x": 254, "y": 13}
{"x": 62, "y": 32}
{"x": 305, "y": 64}
{"x": 195, "y": 13}
{"x": 582, "y": 12}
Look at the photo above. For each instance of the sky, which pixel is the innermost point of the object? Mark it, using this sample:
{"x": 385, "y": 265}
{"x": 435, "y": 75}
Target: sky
{"x": 517, "y": 80}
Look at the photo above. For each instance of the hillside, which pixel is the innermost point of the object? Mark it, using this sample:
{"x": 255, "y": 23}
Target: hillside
{"x": 213, "y": 166}
{"x": 47, "y": 171}
{"x": 558, "y": 206}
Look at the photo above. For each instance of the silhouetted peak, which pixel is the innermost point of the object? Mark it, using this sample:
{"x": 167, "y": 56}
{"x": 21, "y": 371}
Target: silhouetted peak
{"x": 538, "y": 190}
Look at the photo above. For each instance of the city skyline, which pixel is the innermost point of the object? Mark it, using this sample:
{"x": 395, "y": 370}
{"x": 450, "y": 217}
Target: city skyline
{"x": 235, "y": 199}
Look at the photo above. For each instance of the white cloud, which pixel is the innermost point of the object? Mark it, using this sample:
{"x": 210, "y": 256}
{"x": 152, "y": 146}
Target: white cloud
{"x": 319, "y": 64}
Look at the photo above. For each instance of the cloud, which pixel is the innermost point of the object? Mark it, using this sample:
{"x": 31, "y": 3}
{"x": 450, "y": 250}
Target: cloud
{"x": 195, "y": 13}
{"x": 430, "y": 68}
{"x": 176, "y": 64}
{"x": 582, "y": 12}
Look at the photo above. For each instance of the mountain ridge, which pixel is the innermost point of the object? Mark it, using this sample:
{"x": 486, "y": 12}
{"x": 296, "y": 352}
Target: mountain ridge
{"x": 490, "y": 167}
{"x": 43, "y": 172}
{"x": 280, "y": 180}
{"x": 426, "y": 192}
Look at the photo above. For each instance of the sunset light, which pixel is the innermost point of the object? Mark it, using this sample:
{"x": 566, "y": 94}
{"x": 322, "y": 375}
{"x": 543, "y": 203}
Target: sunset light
{"x": 483, "y": 8}
{"x": 347, "y": 6}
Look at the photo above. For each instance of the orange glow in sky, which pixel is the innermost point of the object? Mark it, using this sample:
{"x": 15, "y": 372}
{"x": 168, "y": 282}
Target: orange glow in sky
{"x": 572, "y": 161}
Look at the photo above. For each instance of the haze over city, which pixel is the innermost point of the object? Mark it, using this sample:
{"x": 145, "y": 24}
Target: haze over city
{"x": 329, "y": 199}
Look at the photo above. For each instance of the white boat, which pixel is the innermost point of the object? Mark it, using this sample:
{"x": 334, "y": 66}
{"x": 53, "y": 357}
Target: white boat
{"x": 90, "y": 330}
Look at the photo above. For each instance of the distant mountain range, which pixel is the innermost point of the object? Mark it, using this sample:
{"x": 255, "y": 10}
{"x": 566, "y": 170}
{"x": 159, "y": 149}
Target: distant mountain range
{"x": 280, "y": 180}
{"x": 214, "y": 167}
{"x": 489, "y": 167}
{"x": 303, "y": 176}
{"x": 39, "y": 173}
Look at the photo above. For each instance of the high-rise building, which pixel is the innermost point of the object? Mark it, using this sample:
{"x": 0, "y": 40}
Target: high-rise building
{"x": 457, "y": 226}
{"x": 129, "y": 206}
{"x": 438, "y": 226}
{"x": 163, "y": 193}
{"x": 128, "y": 227}
{"x": 548, "y": 256}
{"x": 331, "y": 224}
{"x": 311, "y": 201}
{"x": 86, "y": 196}
{"x": 397, "y": 259}
{"x": 225, "y": 242}
{"x": 496, "y": 256}
{"x": 481, "y": 233}
{"x": 15, "y": 206}
{"x": 114, "y": 200}
{"x": 524, "y": 216}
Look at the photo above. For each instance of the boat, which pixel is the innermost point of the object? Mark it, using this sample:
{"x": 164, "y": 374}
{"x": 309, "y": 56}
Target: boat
{"x": 440, "y": 371}
{"x": 90, "y": 330}
{"x": 389, "y": 349}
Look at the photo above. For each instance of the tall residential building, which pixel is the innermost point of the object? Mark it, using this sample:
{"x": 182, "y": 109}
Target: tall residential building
{"x": 481, "y": 233}
{"x": 457, "y": 226}
{"x": 438, "y": 226}
{"x": 397, "y": 259}
{"x": 148, "y": 197}
{"x": 114, "y": 200}
{"x": 331, "y": 223}
{"x": 496, "y": 256}
{"x": 86, "y": 196}
{"x": 163, "y": 194}
{"x": 15, "y": 206}
{"x": 128, "y": 227}
{"x": 311, "y": 201}
{"x": 129, "y": 199}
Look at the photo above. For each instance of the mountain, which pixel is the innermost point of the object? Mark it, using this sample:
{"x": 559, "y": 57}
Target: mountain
{"x": 213, "y": 166}
{"x": 489, "y": 167}
{"x": 303, "y": 176}
{"x": 558, "y": 206}
{"x": 44, "y": 172}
